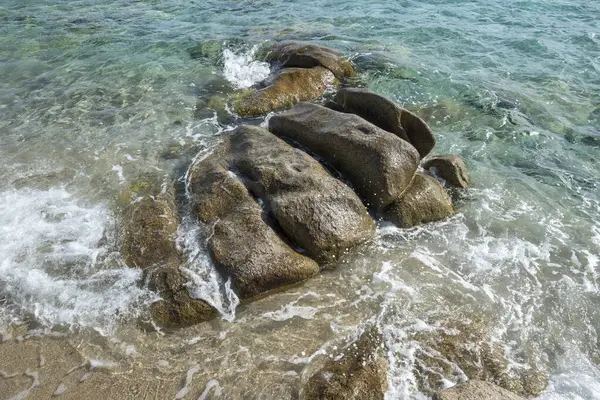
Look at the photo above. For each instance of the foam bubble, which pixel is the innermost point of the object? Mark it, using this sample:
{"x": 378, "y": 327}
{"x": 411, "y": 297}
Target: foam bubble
{"x": 242, "y": 71}
{"x": 290, "y": 311}
{"x": 204, "y": 281}
{"x": 52, "y": 262}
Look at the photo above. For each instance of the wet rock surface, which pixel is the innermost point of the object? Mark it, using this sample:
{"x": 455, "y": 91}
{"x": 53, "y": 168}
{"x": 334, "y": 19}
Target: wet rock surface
{"x": 378, "y": 165}
{"x": 284, "y": 89}
{"x": 424, "y": 201}
{"x": 301, "y": 72}
{"x": 290, "y": 54}
{"x": 360, "y": 374}
{"x": 451, "y": 168}
{"x": 265, "y": 199}
{"x": 149, "y": 225}
{"x": 387, "y": 115}
{"x": 476, "y": 390}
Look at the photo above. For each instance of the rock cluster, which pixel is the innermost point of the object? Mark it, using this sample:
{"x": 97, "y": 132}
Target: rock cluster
{"x": 283, "y": 202}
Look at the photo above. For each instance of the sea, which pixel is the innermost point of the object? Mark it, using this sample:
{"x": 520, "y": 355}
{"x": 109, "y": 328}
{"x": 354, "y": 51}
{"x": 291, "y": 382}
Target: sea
{"x": 95, "y": 92}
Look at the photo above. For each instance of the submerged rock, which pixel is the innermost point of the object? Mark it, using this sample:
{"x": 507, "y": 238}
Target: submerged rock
{"x": 378, "y": 164}
{"x": 284, "y": 89}
{"x": 476, "y": 390}
{"x": 149, "y": 223}
{"x": 388, "y": 116}
{"x": 291, "y": 54}
{"x": 464, "y": 349}
{"x": 360, "y": 374}
{"x": 451, "y": 168}
{"x": 177, "y": 308}
{"x": 265, "y": 197}
{"x": 424, "y": 201}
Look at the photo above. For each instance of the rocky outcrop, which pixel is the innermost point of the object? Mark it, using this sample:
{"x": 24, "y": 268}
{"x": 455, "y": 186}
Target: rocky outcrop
{"x": 387, "y": 115}
{"x": 378, "y": 165}
{"x": 476, "y": 390}
{"x": 149, "y": 224}
{"x": 284, "y": 89}
{"x": 302, "y": 72}
{"x": 360, "y": 374}
{"x": 424, "y": 201}
{"x": 267, "y": 202}
{"x": 451, "y": 168}
{"x": 290, "y": 54}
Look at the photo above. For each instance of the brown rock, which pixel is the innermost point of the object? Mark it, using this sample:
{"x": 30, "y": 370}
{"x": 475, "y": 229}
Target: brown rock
{"x": 424, "y": 201}
{"x": 263, "y": 196}
{"x": 176, "y": 309}
{"x": 149, "y": 224}
{"x": 450, "y": 168}
{"x": 476, "y": 390}
{"x": 290, "y": 54}
{"x": 378, "y": 165}
{"x": 286, "y": 88}
{"x": 255, "y": 257}
{"x": 361, "y": 374}
{"x": 387, "y": 115}
{"x": 466, "y": 344}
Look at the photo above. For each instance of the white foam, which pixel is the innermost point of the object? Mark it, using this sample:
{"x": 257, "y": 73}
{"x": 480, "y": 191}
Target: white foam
{"x": 213, "y": 383}
{"x": 242, "y": 71}
{"x": 205, "y": 282}
{"x": 50, "y": 262}
{"x": 188, "y": 381}
{"x": 290, "y": 311}
{"x": 119, "y": 170}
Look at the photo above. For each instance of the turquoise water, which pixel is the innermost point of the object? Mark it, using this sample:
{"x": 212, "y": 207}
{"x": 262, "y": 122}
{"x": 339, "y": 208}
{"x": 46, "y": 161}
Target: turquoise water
{"x": 92, "y": 93}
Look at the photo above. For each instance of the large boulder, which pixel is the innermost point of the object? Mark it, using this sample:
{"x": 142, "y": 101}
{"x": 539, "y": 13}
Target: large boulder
{"x": 149, "y": 223}
{"x": 360, "y": 374}
{"x": 451, "y": 168}
{"x": 424, "y": 201}
{"x": 289, "y": 54}
{"x": 266, "y": 199}
{"x": 476, "y": 390}
{"x": 378, "y": 164}
{"x": 387, "y": 115}
{"x": 283, "y": 89}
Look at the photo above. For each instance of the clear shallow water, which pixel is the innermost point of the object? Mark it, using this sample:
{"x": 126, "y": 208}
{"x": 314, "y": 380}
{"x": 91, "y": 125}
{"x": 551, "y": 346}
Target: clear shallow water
{"x": 93, "y": 93}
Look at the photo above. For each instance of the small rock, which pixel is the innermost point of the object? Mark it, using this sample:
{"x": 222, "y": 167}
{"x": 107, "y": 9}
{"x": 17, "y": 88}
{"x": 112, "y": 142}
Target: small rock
{"x": 149, "y": 223}
{"x": 284, "y": 89}
{"x": 424, "y": 201}
{"x": 450, "y": 168}
{"x": 289, "y": 54}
